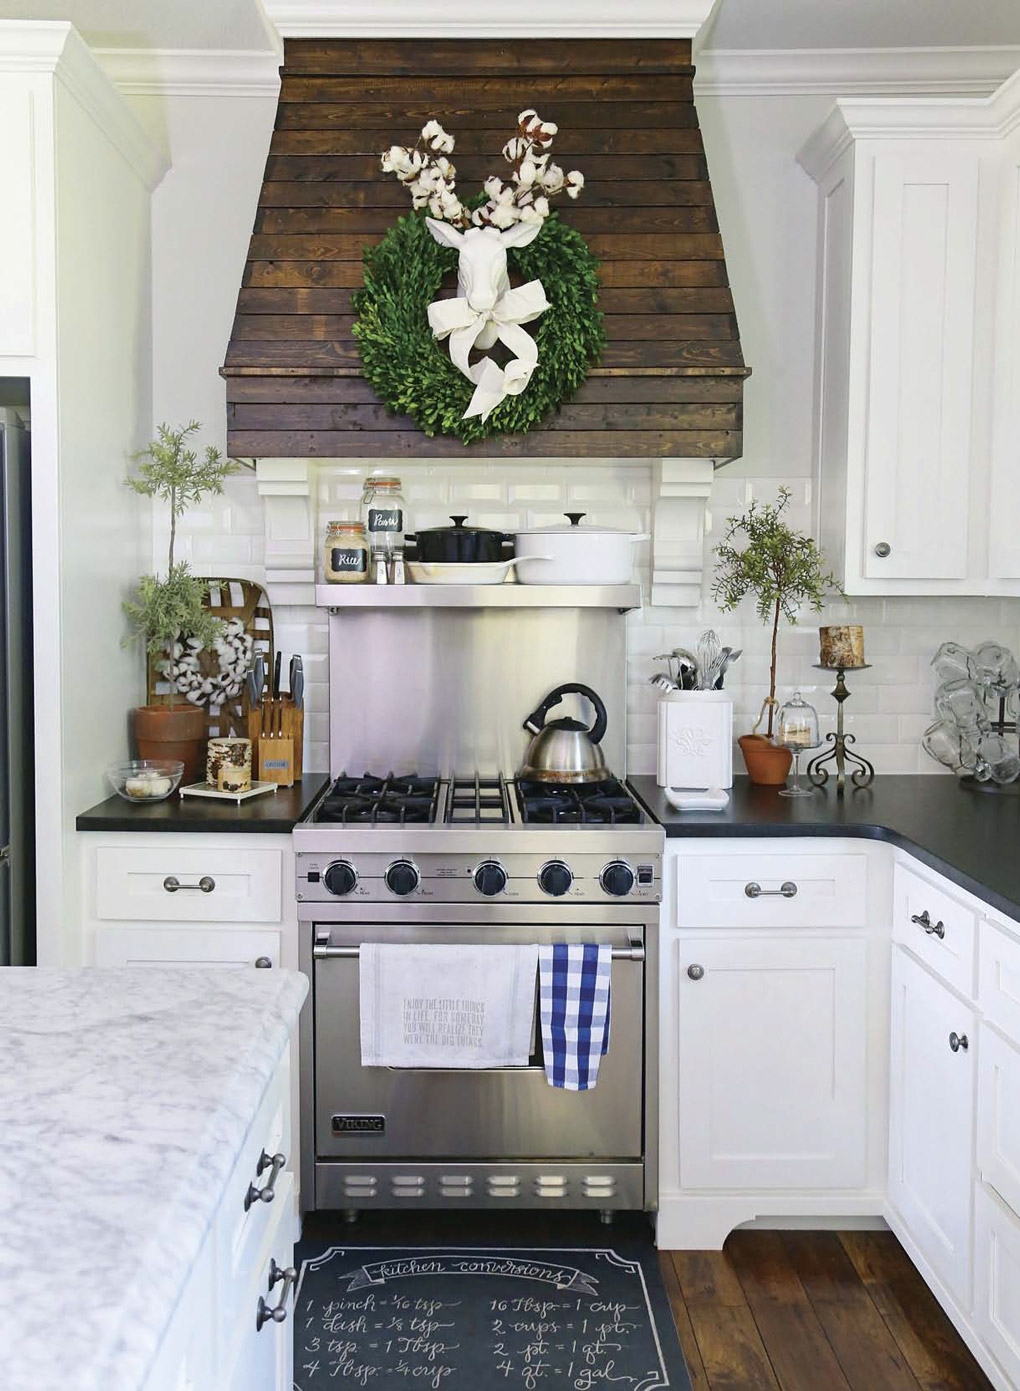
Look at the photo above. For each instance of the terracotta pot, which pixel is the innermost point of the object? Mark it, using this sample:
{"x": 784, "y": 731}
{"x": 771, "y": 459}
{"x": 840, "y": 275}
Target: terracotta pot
{"x": 162, "y": 732}
{"x": 767, "y": 764}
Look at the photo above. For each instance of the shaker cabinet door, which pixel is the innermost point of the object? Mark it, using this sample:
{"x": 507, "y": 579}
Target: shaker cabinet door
{"x": 773, "y": 1055}
{"x": 933, "y": 1047}
{"x": 921, "y": 300}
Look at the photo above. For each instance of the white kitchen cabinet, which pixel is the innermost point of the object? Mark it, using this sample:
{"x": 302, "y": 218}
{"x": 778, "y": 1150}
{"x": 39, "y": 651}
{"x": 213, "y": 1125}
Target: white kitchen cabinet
{"x": 932, "y": 1094}
{"x": 914, "y": 254}
{"x": 773, "y": 1058}
{"x": 216, "y": 1341}
{"x": 186, "y": 946}
{"x": 997, "y": 1280}
{"x": 1004, "y": 508}
{"x": 998, "y": 1115}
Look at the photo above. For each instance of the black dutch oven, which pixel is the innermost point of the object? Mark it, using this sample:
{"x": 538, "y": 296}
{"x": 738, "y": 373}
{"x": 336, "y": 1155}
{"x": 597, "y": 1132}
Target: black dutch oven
{"x": 461, "y": 545}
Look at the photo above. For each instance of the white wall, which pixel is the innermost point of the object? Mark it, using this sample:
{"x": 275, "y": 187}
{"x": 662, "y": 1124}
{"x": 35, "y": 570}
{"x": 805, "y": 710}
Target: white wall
{"x": 203, "y": 214}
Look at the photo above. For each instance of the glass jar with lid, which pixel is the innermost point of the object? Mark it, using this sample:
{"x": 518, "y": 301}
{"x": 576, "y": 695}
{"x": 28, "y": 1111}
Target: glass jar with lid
{"x": 797, "y": 730}
{"x": 346, "y": 553}
{"x": 383, "y": 514}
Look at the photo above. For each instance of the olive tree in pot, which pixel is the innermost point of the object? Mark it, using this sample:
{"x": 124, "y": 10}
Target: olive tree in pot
{"x": 167, "y": 611}
{"x": 784, "y": 570}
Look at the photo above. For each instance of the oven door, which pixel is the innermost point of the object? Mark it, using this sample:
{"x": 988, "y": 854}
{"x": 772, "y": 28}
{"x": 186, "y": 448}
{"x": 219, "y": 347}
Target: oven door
{"x": 511, "y": 1113}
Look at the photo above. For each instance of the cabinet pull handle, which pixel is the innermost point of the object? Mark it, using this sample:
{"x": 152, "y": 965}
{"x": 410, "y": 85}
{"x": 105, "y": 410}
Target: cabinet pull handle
{"x": 958, "y": 1042}
{"x": 173, "y": 885}
{"x": 266, "y": 1313}
{"x": 933, "y": 929}
{"x": 263, "y": 963}
{"x": 265, "y": 1194}
{"x": 695, "y": 971}
{"x": 788, "y": 889}
{"x": 883, "y": 549}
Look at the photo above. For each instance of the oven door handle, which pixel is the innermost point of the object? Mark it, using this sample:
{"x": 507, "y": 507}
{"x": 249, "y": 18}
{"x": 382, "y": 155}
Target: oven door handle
{"x": 325, "y": 953}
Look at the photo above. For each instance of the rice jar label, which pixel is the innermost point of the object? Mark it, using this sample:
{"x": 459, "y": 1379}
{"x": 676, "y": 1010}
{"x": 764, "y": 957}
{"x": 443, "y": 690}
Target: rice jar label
{"x": 351, "y": 560}
{"x": 385, "y": 519}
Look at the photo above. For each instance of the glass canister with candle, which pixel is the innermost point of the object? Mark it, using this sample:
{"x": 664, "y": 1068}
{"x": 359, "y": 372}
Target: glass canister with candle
{"x": 797, "y": 730}
{"x": 384, "y": 515}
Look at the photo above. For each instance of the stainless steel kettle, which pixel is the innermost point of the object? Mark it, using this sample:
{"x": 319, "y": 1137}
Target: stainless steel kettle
{"x": 566, "y": 750}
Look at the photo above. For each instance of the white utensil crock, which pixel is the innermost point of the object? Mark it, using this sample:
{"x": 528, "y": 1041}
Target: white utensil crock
{"x": 695, "y": 739}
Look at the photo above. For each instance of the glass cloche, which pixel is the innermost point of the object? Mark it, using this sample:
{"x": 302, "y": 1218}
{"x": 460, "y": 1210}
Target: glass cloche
{"x": 797, "y": 730}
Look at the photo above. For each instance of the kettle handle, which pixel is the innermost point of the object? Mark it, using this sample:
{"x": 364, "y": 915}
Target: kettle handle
{"x": 536, "y": 719}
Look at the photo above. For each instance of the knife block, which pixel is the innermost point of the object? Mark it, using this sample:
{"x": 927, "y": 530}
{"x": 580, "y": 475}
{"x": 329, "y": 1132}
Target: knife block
{"x": 293, "y": 733}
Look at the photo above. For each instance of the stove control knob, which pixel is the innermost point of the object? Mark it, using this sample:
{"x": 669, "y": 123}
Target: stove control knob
{"x": 555, "y": 878}
{"x": 340, "y": 878}
{"x": 490, "y": 878}
{"x": 402, "y": 877}
{"x": 617, "y": 878}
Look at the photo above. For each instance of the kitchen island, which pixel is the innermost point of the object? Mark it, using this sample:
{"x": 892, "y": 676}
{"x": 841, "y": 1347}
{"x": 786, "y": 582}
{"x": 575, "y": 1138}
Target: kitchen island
{"x": 128, "y": 1098}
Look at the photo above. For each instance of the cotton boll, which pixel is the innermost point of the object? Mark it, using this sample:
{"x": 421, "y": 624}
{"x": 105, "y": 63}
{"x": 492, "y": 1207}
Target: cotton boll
{"x": 542, "y": 207}
{"x": 552, "y": 179}
{"x": 525, "y": 117}
{"x": 503, "y": 216}
{"x": 526, "y": 173}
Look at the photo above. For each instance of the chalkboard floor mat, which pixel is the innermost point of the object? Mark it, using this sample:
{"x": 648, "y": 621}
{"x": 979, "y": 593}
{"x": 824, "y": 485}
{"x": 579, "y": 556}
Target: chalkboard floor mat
{"x": 557, "y": 1315}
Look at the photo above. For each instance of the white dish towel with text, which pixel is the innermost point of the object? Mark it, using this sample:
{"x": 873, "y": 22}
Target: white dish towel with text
{"x": 447, "y": 1006}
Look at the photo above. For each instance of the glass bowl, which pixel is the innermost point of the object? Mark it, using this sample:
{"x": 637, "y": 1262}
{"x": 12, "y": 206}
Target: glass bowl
{"x": 146, "y": 779}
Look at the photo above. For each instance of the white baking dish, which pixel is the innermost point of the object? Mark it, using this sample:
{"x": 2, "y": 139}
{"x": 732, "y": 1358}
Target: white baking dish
{"x": 475, "y": 572}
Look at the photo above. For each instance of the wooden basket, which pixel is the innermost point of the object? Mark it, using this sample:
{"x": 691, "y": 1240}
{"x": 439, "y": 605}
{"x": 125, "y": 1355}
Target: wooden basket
{"x": 228, "y": 599}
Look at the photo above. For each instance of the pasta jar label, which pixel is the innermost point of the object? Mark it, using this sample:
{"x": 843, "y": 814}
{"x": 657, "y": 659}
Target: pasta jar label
{"x": 385, "y": 519}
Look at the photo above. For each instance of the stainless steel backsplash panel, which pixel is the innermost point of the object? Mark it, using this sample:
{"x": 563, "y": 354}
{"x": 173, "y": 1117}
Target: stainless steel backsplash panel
{"x": 439, "y": 690}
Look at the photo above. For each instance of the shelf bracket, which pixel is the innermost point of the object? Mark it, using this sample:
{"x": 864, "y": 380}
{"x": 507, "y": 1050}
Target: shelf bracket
{"x": 680, "y": 493}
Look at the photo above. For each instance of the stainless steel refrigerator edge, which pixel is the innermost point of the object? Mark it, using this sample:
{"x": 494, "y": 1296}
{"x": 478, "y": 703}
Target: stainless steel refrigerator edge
{"x": 17, "y": 799}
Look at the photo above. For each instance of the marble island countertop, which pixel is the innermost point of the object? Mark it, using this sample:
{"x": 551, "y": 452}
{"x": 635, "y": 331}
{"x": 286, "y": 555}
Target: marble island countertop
{"x": 125, "y": 1098}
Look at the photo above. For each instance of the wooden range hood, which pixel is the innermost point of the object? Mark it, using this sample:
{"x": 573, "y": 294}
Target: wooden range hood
{"x": 670, "y": 382}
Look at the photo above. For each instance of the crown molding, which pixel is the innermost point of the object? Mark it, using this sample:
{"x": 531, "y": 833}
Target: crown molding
{"x": 466, "y": 19}
{"x": 57, "y": 49}
{"x": 184, "y": 72}
{"x": 847, "y": 72}
{"x": 851, "y": 119}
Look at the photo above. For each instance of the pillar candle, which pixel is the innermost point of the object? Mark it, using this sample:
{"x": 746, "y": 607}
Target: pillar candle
{"x": 842, "y": 647}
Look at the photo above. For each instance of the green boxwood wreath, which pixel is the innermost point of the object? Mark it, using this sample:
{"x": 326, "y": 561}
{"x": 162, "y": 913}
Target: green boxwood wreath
{"x": 412, "y": 373}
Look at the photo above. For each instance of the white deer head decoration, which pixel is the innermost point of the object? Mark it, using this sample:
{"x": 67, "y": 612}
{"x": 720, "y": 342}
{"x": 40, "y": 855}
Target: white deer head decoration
{"x": 486, "y": 310}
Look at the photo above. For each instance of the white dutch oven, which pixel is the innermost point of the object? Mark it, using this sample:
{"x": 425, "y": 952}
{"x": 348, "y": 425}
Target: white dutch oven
{"x": 575, "y": 554}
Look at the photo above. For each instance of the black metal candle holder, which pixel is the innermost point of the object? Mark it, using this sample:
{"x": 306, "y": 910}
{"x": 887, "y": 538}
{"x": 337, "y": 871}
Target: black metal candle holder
{"x": 861, "y": 771}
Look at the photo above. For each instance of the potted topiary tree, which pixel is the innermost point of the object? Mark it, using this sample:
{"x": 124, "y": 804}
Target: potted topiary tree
{"x": 783, "y": 569}
{"x": 167, "y": 611}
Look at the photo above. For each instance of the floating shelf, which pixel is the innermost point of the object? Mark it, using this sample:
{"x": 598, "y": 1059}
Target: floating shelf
{"x": 478, "y": 596}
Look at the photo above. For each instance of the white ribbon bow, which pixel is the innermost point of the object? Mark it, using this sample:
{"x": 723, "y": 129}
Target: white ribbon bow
{"x": 455, "y": 319}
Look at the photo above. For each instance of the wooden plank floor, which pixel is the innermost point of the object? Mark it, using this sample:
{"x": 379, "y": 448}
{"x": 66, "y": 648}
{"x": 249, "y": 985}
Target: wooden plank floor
{"x": 813, "y": 1311}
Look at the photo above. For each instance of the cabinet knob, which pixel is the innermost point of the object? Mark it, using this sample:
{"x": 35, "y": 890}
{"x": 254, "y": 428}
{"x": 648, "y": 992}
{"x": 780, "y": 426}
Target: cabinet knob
{"x": 695, "y": 972}
{"x": 263, "y": 963}
{"x": 883, "y": 549}
{"x": 933, "y": 929}
{"x": 958, "y": 1042}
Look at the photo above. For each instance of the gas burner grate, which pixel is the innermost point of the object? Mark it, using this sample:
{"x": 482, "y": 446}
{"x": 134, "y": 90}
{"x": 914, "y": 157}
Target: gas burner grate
{"x": 605, "y": 803}
{"x": 370, "y": 801}
{"x": 478, "y": 801}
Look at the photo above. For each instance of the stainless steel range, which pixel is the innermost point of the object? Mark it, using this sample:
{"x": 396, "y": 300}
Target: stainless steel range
{"x": 475, "y": 859}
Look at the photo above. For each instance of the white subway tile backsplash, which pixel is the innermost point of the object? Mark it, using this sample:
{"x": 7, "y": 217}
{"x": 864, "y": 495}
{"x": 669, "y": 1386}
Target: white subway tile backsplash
{"x": 889, "y": 707}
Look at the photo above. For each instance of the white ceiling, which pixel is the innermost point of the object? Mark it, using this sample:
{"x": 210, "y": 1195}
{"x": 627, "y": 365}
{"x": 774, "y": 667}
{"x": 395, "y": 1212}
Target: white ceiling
{"x": 240, "y": 25}
{"x": 184, "y": 24}
{"x": 784, "y": 24}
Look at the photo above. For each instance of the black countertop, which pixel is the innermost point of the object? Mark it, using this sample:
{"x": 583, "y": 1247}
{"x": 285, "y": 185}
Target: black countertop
{"x": 972, "y": 838}
{"x": 275, "y": 813}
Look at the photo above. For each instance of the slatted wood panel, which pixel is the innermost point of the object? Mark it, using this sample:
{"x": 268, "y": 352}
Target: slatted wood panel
{"x": 670, "y": 379}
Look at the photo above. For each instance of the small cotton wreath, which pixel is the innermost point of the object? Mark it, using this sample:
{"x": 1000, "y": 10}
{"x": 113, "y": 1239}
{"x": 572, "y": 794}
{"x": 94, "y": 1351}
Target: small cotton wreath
{"x": 410, "y": 370}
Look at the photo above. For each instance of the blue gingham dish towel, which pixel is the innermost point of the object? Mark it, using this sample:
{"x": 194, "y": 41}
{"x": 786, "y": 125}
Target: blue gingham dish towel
{"x": 574, "y": 983}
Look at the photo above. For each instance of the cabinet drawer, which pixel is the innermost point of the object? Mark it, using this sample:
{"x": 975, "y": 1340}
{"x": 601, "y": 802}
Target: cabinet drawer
{"x": 795, "y": 890}
{"x": 186, "y": 946}
{"x": 262, "y": 1358}
{"x": 998, "y": 1125}
{"x": 936, "y": 927}
{"x": 189, "y": 885}
{"x": 999, "y": 978}
{"x": 245, "y": 1219}
{"x": 997, "y": 1281}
